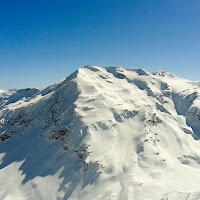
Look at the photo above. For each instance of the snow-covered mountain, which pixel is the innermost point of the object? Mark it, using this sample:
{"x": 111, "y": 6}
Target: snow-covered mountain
{"x": 104, "y": 134}
{"x": 6, "y": 93}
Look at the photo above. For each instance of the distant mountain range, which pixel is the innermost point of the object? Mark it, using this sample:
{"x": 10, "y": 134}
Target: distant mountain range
{"x": 102, "y": 134}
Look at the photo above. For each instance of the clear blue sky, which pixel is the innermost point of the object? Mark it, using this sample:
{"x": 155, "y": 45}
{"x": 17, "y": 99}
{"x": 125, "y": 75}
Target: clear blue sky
{"x": 43, "y": 41}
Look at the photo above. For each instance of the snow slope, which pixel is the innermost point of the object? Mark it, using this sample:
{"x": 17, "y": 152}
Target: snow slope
{"x": 103, "y": 133}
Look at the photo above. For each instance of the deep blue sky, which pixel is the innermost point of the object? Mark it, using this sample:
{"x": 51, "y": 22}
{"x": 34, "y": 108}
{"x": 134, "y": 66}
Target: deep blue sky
{"x": 43, "y": 41}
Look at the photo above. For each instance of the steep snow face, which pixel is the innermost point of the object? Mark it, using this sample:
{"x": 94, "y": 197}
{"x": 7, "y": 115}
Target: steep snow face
{"x": 103, "y": 133}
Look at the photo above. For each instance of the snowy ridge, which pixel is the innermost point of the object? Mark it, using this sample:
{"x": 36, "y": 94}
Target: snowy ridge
{"x": 23, "y": 93}
{"x": 102, "y": 133}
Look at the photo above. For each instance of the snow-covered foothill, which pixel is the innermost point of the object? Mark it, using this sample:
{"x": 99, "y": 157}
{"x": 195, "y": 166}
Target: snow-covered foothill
{"x": 22, "y": 93}
{"x": 4, "y": 95}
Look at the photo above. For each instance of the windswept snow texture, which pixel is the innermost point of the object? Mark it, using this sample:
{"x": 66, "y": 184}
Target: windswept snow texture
{"x": 104, "y": 134}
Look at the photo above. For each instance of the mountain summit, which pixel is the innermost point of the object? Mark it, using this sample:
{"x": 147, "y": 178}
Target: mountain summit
{"x": 104, "y": 134}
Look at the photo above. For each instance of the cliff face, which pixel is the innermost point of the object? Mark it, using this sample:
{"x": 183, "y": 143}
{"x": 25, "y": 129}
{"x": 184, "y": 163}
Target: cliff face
{"x": 102, "y": 133}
